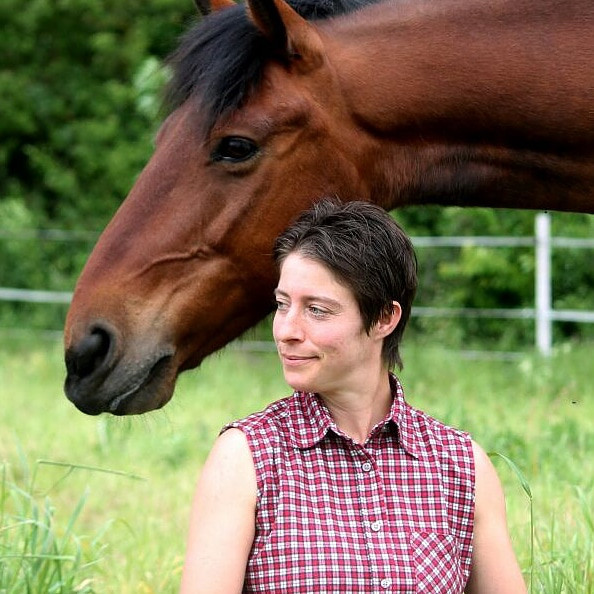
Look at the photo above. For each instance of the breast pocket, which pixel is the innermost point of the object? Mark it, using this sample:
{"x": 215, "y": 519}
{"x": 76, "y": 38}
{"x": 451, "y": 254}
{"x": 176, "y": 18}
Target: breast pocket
{"x": 437, "y": 563}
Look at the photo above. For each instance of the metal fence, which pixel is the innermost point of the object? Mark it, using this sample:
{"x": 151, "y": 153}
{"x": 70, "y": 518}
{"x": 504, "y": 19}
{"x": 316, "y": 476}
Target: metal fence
{"x": 542, "y": 313}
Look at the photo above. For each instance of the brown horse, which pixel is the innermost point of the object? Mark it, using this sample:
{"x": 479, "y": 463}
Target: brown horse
{"x": 461, "y": 102}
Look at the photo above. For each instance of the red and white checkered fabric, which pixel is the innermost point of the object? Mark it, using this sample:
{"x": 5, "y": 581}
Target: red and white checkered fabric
{"x": 392, "y": 515}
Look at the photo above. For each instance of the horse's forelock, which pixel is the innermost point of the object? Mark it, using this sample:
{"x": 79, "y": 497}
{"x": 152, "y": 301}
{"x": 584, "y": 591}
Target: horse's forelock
{"x": 221, "y": 59}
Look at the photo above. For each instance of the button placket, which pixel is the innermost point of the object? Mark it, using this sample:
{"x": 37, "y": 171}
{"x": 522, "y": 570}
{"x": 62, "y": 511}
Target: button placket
{"x": 371, "y": 499}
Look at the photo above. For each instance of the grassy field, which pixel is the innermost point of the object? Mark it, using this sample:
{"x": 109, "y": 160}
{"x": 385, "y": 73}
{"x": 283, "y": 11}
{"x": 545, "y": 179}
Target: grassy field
{"x": 100, "y": 504}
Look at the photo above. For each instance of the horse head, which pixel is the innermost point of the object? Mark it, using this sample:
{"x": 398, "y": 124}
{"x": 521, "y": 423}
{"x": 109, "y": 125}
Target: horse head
{"x": 185, "y": 265}
{"x": 460, "y": 102}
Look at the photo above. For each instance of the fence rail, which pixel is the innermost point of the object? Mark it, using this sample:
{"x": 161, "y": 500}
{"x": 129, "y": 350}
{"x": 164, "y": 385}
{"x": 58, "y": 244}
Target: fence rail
{"x": 543, "y": 313}
{"x": 31, "y": 296}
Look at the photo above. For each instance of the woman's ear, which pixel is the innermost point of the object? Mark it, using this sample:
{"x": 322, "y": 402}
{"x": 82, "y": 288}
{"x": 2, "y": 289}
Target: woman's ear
{"x": 388, "y": 321}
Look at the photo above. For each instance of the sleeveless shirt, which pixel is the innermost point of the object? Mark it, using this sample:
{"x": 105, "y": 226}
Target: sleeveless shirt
{"x": 394, "y": 514}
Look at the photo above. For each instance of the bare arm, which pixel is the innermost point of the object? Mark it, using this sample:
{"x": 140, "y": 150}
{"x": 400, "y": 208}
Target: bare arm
{"x": 222, "y": 519}
{"x": 495, "y": 569}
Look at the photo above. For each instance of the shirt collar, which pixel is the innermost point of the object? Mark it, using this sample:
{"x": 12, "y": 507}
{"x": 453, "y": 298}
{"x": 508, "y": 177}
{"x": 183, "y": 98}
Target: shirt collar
{"x": 309, "y": 420}
{"x": 401, "y": 415}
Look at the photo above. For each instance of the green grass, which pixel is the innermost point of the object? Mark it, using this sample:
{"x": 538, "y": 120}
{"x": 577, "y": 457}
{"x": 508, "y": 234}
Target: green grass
{"x": 112, "y": 495}
{"x": 37, "y": 554}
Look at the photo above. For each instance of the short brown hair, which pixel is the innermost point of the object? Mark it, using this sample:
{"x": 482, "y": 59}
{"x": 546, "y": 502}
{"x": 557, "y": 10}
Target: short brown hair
{"x": 367, "y": 251}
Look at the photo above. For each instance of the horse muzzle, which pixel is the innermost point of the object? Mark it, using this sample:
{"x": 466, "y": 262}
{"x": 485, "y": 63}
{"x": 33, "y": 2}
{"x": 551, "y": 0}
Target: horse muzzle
{"x": 100, "y": 380}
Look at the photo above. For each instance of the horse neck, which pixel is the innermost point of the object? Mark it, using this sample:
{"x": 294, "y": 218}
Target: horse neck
{"x": 505, "y": 83}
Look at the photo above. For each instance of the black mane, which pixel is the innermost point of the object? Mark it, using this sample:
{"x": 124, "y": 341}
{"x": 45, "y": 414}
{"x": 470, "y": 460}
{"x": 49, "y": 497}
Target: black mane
{"x": 221, "y": 59}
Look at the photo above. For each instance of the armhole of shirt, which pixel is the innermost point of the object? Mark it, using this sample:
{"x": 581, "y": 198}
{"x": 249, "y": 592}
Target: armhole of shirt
{"x": 253, "y": 448}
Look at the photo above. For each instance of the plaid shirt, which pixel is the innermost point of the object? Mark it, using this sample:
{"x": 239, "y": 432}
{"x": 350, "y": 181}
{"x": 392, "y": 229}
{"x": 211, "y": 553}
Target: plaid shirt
{"x": 392, "y": 515}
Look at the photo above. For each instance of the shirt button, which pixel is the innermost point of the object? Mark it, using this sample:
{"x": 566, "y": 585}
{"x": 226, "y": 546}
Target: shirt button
{"x": 376, "y": 526}
{"x": 386, "y": 583}
{"x": 366, "y": 466}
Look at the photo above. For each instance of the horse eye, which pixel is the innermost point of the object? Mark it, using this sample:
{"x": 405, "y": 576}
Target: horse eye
{"x": 234, "y": 149}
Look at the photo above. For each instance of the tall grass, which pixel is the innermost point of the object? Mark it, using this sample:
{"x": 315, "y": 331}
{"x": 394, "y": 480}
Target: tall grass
{"x": 34, "y": 556}
{"x": 114, "y": 535}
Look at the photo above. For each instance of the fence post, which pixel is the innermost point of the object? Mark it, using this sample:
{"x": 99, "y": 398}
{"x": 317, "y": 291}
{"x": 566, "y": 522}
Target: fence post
{"x": 543, "y": 284}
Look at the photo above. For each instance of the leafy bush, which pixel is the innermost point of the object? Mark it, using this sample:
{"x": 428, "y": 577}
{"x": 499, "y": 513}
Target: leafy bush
{"x": 74, "y": 129}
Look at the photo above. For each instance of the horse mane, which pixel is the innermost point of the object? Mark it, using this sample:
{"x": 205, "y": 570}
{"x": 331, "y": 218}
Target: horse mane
{"x": 221, "y": 59}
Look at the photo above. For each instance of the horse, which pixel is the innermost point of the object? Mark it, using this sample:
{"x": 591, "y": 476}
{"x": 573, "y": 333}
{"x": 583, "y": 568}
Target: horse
{"x": 274, "y": 105}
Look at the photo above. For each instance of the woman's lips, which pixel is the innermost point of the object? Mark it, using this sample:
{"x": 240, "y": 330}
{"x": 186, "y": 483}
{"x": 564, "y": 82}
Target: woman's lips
{"x": 296, "y": 360}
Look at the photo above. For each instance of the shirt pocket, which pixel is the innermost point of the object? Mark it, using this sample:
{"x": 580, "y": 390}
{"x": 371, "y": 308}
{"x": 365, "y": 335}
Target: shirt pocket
{"x": 437, "y": 563}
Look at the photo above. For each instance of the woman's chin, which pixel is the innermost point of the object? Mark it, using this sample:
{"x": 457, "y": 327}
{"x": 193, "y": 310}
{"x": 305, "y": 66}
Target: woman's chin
{"x": 298, "y": 384}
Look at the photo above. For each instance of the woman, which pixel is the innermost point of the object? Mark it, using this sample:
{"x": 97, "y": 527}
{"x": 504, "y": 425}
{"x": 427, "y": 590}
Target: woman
{"x": 343, "y": 487}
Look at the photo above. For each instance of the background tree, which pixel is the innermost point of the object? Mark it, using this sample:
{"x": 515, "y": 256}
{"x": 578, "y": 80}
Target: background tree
{"x": 76, "y": 111}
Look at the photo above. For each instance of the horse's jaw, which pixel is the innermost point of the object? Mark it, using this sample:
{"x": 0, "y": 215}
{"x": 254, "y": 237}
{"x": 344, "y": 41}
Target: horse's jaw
{"x": 123, "y": 355}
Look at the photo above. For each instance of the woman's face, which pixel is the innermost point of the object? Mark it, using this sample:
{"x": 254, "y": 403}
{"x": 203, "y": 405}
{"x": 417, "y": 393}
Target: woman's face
{"x": 319, "y": 331}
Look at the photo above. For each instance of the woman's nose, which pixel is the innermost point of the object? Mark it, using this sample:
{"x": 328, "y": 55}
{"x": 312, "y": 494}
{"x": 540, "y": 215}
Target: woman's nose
{"x": 287, "y": 327}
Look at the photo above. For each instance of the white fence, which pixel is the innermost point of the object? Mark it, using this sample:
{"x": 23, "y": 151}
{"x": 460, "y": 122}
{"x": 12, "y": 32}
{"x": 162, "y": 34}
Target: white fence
{"x": 543, "y": 313}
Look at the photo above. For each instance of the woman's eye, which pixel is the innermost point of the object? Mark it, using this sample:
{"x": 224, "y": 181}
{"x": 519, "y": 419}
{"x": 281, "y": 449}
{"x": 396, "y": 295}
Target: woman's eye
{"x": 280, "y": 305}
{"x": 234, "y": 149}
{"x": 316, "y": 311}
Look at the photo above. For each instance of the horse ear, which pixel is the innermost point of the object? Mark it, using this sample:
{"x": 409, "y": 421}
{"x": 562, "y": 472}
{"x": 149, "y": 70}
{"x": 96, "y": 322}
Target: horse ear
{"x": 297, "y": 40}
{"x": 205, "y": 7}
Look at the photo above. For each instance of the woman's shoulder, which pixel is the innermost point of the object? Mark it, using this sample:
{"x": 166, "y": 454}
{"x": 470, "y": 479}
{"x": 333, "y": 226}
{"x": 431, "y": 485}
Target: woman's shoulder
{"x": 425, "y": 423}
{"x": 435, "y": 435}
{"x": 421, "y": 427}
{"x": 264, "y": 430}
{"x": 265, "y": 420}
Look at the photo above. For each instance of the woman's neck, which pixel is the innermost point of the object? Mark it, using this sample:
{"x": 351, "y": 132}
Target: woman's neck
{"x": 356, "y": 411}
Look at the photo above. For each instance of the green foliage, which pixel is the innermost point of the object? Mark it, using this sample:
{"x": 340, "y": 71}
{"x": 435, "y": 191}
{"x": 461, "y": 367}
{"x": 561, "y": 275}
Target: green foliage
{"x": 496, "y": 277}
{"x": 80, "y": 104}
{"x": 29, "y": 261}
{"x": 75, "y": 129}
{"x": 17, "y": 260}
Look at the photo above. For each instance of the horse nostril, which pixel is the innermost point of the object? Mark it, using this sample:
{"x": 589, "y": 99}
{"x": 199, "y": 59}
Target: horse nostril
{"x": 90, "y": 354}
